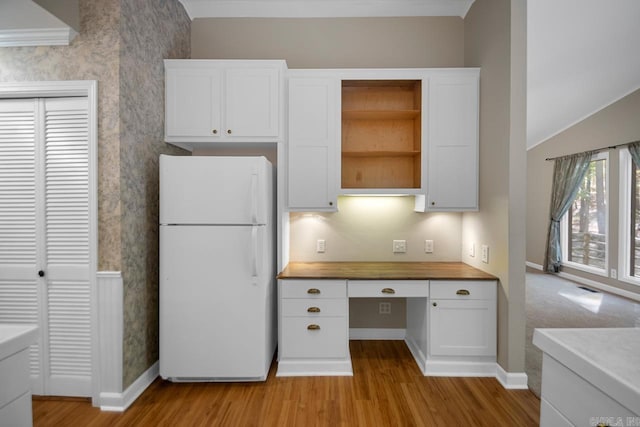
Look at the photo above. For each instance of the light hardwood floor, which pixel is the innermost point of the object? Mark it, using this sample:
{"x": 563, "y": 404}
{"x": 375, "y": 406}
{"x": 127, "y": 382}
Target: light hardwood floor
{"x": 387, "y": 389}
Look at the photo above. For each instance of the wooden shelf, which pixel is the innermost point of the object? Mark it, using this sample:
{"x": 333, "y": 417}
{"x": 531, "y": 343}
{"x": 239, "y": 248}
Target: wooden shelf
{"x": 380, "y": 114}
{"x": 381, "y": 134}
{"x": 380, "y": 153}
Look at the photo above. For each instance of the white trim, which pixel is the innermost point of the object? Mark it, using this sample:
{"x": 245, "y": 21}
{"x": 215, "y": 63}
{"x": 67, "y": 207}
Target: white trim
{"x": 306, "y": 368}
{"x": 533, "y": 265}
{"x": 416, "y": 352}
{"x": 119, "y": 402}
{"x": 607, "y": 288}
{"x": 512, "y": 380}
{"x": 37, "y": 37}
{"x": 323, "y": 8}
{"x": 459, "y": 368}
{"x": 624, "y": 225}
{"x": 564, "y": 228}
{"x": 110, "y": 333}
{"x": 377, "y": 334}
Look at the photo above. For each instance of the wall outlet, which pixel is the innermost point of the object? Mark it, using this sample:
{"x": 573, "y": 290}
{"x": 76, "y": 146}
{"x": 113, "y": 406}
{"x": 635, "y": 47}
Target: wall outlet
{"x": 399, "y": 246}
{"x": 321, "y": 246}
{"x": 485, "y": 254}
{"x": 385, "y": 308}
{"x": 428, "y": 246}
{"x": 472, "y": 250}
{"x": 614, "y": 273}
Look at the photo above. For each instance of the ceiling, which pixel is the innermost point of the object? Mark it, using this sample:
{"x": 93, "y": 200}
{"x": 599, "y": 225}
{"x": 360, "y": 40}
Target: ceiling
{"x": 582, "y": 55}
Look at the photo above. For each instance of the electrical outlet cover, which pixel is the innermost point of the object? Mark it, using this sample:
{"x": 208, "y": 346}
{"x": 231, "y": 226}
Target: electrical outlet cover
{"x": 485, "y": 253}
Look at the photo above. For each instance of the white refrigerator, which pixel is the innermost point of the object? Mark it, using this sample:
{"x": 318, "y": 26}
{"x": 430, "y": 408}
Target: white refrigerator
{"x": 217, "y": 268}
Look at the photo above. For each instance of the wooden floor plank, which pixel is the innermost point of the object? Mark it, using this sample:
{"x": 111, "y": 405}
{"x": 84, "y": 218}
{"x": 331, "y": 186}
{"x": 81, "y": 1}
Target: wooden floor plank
{"x": 387, "y": 389}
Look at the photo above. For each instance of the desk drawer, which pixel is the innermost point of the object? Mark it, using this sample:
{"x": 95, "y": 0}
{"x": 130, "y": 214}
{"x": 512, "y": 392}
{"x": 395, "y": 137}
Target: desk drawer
{"x": 314, "y": 307}
{"x": 462, "y": 289}
{"x": 322, "y": 337}
{"x": 388, "y": 288}
{"x": 300, "y": 288}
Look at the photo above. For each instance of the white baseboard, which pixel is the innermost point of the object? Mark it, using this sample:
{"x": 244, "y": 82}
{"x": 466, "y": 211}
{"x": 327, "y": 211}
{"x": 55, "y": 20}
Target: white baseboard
{"x": 458, "y": 368}
{"x": 377, "y": 333}
{"x": 306, "y": 368}
{"x": 416, "y": 352}
{"x": 534, "y": 265}
{"x": 121, "y": 401}
{"x": 512, "y": 380}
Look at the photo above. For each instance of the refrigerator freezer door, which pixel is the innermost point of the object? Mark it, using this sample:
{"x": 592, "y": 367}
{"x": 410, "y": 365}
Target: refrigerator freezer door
{"x": 215, "y": 190}
{"x": 216, "y": 320}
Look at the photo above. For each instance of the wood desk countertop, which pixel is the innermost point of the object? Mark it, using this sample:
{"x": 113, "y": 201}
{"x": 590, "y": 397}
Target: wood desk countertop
{"x": 384, "y": 271}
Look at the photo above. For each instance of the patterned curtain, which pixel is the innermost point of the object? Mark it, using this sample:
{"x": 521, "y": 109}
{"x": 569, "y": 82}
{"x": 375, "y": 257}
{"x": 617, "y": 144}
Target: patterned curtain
{"x": 568, "y": 173}
{"x": 634, "y": 149}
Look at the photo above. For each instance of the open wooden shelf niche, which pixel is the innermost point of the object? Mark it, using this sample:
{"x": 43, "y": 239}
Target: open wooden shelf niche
{"x": 381, "y": 133}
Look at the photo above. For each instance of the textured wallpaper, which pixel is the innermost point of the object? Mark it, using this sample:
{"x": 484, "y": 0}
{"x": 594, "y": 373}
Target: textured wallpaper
{"x": 149, "y": 33}
{"x": 121, "y": 44}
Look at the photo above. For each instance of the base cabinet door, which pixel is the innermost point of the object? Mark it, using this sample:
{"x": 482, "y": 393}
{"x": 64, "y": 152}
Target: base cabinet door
{"x": 460, "y": 325}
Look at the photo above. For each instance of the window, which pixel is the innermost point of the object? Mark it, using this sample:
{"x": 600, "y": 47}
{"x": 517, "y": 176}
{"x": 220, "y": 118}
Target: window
{"x": 629, "y": 251}
{"x": 585, "y": 225}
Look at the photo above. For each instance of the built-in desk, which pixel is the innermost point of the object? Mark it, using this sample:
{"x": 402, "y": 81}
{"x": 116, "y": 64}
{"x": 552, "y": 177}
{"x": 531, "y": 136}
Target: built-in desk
{"x": 451, "y": 315}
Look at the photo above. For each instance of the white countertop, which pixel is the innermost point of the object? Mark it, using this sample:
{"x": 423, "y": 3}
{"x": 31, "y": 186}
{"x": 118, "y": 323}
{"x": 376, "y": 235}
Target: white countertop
{"x": 609, "y": 358}
{"x": 15, "y": 337}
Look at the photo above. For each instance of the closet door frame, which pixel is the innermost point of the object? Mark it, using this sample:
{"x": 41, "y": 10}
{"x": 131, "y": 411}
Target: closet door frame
{"x": 89, "y": 89}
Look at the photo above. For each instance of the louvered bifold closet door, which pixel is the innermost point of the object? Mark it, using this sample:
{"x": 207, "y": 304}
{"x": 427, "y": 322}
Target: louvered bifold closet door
{"x": 20, "y": 285}
{"x": 67, "y": 246}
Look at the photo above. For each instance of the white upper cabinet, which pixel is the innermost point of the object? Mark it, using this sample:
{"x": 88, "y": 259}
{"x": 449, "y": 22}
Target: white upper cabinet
{"x": 222, "y": 101}
{"x": 452, "y": 147}
{"x": 313, "y": 142}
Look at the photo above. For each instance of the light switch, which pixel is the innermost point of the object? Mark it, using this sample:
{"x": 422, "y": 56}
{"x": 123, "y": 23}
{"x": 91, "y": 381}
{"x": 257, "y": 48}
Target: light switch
{"x": 485, "y": 253}
{"x": 472, "y": 250}
{"x": 428, "y": 246}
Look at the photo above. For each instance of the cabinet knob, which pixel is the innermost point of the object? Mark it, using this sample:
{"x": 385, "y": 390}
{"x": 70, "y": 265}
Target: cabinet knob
{"x": 330, "y": 203}
{"x": 435, "y": 304}
{"x": 313, "y": 291}
{"x": 463, "y": 292}
{"x": 41, "y": 273}
{"x": 433, "y": 203}
{"x": 388, "y": 291}
{"x": 313, "y": 327}
{"x": 215, "y": 131}
{"x": 313, "y": 310}
{"x": 229, "y": 131}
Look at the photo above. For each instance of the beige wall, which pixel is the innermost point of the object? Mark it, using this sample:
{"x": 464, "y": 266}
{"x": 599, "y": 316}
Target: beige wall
{"x": 494, "y": 41}
{"x": 618, "y": 123}
{"x": 351, "y": 43}
{"x": 333, "y": 42}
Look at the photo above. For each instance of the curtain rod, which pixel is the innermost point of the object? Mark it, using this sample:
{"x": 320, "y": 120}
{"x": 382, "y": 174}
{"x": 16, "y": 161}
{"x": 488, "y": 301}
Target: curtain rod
{"x": 597, "y": 150}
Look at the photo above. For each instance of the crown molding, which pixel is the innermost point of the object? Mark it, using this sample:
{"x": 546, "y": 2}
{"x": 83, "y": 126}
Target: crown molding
{"x": 323, "y": 8}
{"x": 37, "y": 37}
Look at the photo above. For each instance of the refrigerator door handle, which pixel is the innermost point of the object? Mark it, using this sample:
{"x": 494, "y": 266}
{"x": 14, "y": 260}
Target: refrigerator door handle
{"x": 254, "y": 254}
{"x": 254, "y": 197}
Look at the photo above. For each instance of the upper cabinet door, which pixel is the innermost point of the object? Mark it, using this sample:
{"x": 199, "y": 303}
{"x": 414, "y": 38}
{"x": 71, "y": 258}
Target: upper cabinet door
{"x": 252, "y": 102}
{"x": 209, "y": 101}
{"x": 452, "y": 179}
{"x": 193, "y": 101}
{"x": 313, "y": 141}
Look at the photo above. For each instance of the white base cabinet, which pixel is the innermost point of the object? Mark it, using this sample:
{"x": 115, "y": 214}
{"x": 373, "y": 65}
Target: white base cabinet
{"x": 314, "y": 328}
{"x": 462, "y": 318}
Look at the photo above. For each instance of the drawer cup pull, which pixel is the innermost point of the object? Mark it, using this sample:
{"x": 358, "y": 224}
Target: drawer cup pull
{"x": 463, "y": 292}
{"x": 313, "y": 291}
{"x": 313, "y": 310}
{"x": 388, "y": 291}
{"x": 313, "y": 327}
